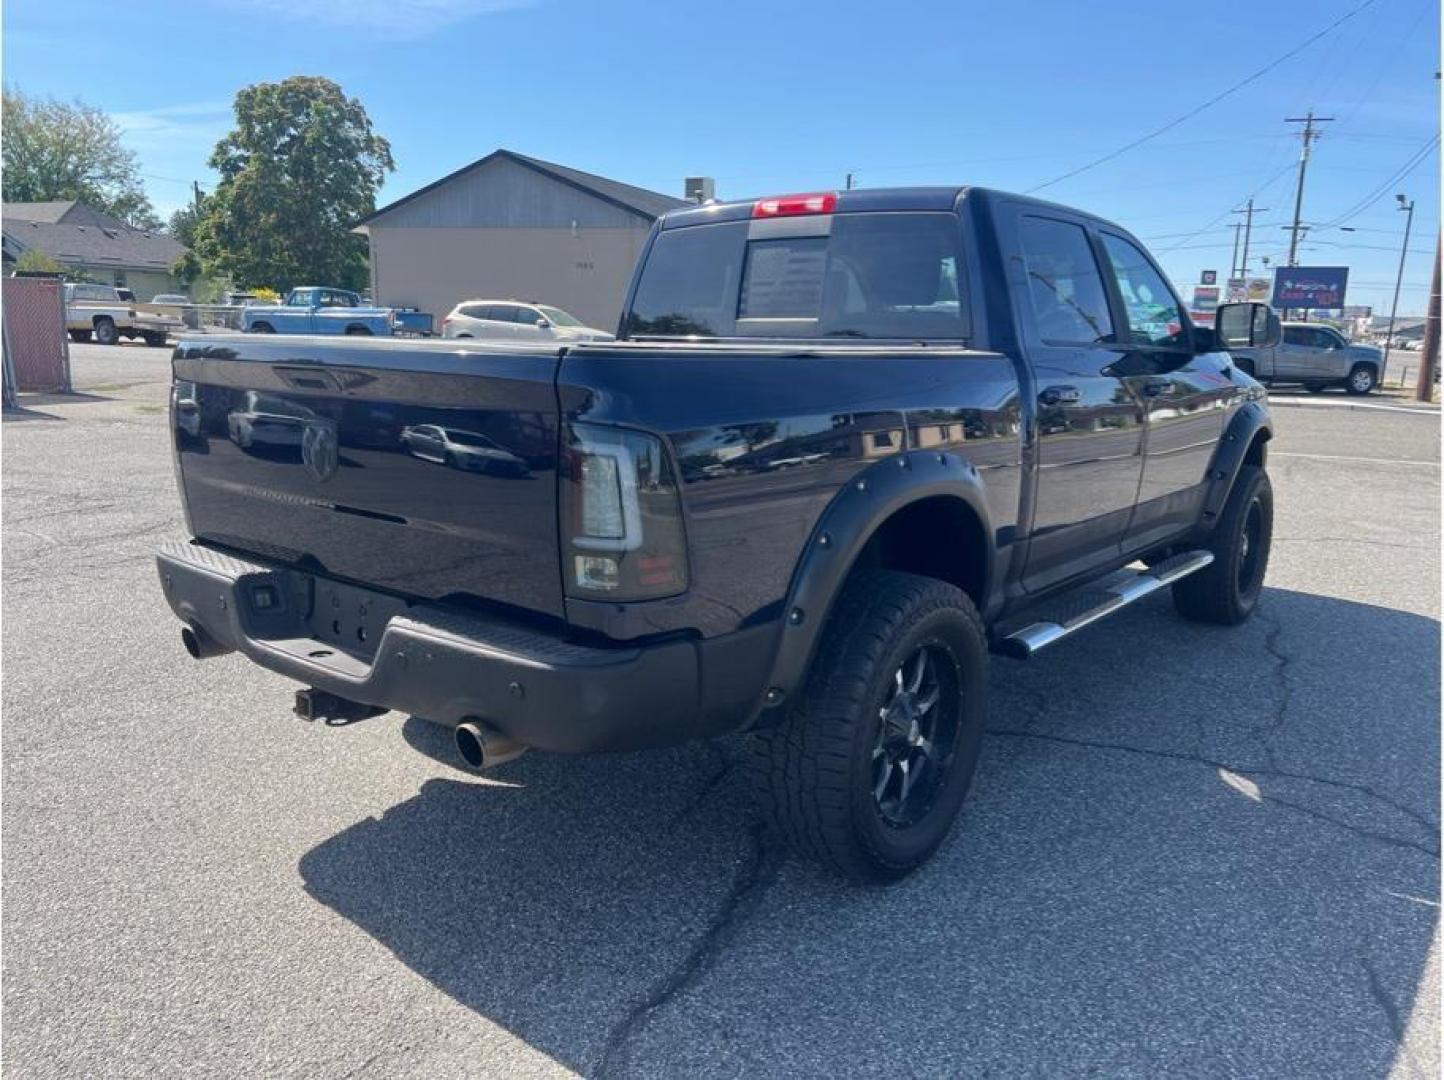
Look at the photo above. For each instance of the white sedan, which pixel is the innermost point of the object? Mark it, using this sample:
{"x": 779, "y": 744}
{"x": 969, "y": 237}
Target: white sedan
{"x": 515, "y": 320}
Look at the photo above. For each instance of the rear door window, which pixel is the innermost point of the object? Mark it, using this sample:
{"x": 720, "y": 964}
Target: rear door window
{"x": 500, "y": 313}
{"x": 874, "y": 275}
{"x": 528, "y": 316}
{"x": 1065, "y": 287}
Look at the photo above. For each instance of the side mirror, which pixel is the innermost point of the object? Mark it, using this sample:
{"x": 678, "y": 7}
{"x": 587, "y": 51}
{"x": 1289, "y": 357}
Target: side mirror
{"x": 1247, "y": 326}
{"x": 543, "y": 324}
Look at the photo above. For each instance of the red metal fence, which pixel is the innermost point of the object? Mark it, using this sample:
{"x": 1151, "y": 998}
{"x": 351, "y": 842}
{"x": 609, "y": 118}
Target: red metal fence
{"x": 35, "y": 343}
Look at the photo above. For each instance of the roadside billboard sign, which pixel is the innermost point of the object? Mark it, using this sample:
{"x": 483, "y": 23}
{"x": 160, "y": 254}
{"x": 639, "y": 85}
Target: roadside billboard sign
{"x": 1209, "y": 277}
{"x": 1205, "y": 297}
{"x": 1310, "y": 286}
{"x": 1237, "y": 289}
{"x": 1259, "y": 289}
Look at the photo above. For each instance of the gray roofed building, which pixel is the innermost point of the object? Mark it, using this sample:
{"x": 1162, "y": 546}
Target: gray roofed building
{"x": 510, "y": 226}
{"x": 85, "y": 239}
{"x": 60, "y": 212}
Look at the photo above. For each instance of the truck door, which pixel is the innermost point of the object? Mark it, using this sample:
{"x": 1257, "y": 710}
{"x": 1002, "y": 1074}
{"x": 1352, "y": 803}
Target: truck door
{"x": 1185, "y": 392}
{"x": 1089, "y": 425}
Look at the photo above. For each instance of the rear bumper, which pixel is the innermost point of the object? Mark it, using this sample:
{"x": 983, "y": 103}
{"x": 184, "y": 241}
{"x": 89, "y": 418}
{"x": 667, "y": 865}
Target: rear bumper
{"x": 448, "y": 666}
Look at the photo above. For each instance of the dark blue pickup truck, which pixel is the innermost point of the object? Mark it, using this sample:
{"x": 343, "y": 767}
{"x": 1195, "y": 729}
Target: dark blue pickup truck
{"x": 845, "y": 446}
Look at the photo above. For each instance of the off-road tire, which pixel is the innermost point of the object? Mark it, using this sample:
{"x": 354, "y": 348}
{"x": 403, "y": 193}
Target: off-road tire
{"x": 155, "y": 339}
{"x": 812, "y": 774}
{"x": 1362, "y": 380}
{"x": 262, "y": 328}
{"x": 80, "y": 336}
{"x": 1226, "y": 591}
{"x": 106, "y": 332}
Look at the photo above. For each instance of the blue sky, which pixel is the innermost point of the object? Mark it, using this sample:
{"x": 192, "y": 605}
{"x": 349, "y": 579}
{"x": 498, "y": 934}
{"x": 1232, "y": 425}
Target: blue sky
{"x": 781, "y": 97}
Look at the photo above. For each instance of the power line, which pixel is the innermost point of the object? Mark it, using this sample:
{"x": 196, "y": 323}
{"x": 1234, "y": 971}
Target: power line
{"x": 1413, "y": 162}
{"x": 1252, "y": 195}
{"x": 1207, "y": 104}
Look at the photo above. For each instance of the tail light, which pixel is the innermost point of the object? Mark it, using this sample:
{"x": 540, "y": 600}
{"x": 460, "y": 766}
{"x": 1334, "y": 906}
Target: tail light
{"x": 823, "y": 202}
{"x": 621, "y": 516}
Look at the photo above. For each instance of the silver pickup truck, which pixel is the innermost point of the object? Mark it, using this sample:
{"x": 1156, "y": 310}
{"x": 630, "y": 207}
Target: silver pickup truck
{"x": 1317, "y": 356}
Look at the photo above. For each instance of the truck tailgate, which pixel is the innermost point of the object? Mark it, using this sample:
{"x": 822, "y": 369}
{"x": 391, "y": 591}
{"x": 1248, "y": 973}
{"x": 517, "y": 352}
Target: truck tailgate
{"x": 426, "y": 468}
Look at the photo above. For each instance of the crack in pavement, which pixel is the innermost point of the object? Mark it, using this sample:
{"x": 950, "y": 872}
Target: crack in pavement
{"x": 1431, "y": 827}
{"x": 758, "y": 871}
{"x": 1285, "y": 687}
{"x": 1386, "y": 1004}
{"x": 711, "y": 784}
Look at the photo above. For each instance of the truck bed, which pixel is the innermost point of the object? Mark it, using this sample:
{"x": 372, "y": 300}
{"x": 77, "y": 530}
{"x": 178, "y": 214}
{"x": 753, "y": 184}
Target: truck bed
{"x": 311, "y": 452}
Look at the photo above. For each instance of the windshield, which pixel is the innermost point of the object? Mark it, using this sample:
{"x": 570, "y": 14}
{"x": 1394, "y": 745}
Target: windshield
{"x": 558, "y": 317}
{"x": 874, "y": 275}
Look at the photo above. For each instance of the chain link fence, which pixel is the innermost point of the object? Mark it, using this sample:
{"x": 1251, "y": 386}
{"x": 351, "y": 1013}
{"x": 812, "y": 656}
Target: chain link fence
{"x": 37, "y": 349}
{"x": 208, "y": 318}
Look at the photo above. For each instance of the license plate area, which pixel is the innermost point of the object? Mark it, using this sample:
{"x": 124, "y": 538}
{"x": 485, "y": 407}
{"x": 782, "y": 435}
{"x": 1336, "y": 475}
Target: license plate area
{"x": 349, "y": 618}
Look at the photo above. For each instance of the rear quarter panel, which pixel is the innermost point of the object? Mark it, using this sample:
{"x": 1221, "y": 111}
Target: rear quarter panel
{"x": 763, "y": 443}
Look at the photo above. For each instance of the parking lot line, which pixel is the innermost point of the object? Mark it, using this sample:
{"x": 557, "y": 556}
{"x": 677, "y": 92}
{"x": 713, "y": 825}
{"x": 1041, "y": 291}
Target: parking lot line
{"x": 1356, "y": 460}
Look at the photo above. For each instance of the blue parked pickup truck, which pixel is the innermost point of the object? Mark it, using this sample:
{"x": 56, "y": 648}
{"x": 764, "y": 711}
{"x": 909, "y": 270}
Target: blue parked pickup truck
{"x": 315, "y": 309}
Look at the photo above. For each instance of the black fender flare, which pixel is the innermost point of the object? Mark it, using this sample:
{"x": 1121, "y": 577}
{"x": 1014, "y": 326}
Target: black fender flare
{"x": 1232, "y": 449}
{"x": 843, "y": 530}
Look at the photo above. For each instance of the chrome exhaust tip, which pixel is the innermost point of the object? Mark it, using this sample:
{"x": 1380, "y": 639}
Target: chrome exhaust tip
{"x": 482, "y": 747}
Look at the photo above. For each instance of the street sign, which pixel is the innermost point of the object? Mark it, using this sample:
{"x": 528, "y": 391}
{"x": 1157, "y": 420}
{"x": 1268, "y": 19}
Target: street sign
{"x": 1237, "y": 289}
{"x": 1310, "y": 286}
{"x": 1205, "y": 297}
{"x": 1210, "y": 277}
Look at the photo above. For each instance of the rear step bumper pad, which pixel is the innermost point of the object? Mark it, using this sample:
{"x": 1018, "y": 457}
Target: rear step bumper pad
{"x": 1091, "y": 605}
{"x": 447, "y": 666}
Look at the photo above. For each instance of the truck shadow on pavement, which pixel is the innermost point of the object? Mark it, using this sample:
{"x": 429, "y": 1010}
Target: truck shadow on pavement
{"x": 1187, "y": 850}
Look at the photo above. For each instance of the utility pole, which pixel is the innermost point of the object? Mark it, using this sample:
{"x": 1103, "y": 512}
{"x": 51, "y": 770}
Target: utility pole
{"x": 196, "y": 187}
{"x": 1424, "y": 388}
{"x": 849, "y": 181}
{"x": 1309, "y": 134}
{"x": 1233, "y": 264}
{"x": 1250, "y": 210}
{"x": 1404, "y": 204}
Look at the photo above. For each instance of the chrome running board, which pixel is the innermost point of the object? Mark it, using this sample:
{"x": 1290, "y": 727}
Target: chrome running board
{"x": 1091, "y": 605}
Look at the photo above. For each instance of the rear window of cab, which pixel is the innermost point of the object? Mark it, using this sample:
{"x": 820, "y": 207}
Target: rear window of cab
{"x": 889, "y": 275}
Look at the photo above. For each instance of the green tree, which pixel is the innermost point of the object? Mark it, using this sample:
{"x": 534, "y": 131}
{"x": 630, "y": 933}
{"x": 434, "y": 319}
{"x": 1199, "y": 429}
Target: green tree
{"x": 187, "y": 269}
{"x": 184, "y": 222}
{"x": 69, "y": 150}
{"x": 302, "y": 166}
{"x": 33, "y": 260}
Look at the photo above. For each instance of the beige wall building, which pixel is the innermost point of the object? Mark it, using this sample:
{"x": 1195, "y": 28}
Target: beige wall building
{"x": 513, "y": 227}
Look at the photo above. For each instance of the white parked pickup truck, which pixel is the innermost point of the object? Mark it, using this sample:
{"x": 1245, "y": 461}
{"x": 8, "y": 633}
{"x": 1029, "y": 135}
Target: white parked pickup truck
{"x": 97, "y": 312}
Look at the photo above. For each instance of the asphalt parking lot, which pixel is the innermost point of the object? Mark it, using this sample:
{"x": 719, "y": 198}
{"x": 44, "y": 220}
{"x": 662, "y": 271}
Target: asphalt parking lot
{"x": 1188, "y": 849}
